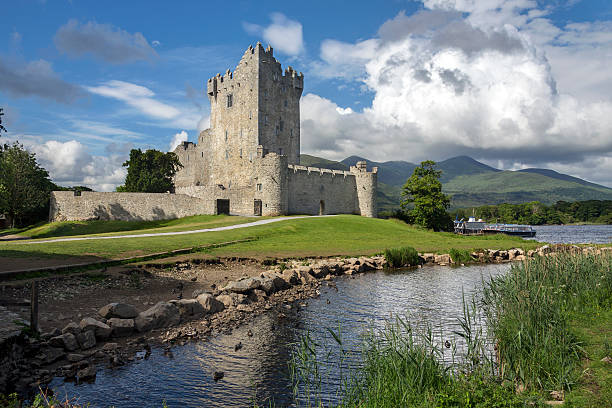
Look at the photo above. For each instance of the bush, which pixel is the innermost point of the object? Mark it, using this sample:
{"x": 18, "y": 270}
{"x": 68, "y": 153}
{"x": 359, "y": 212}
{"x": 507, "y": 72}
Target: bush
{"x": 404, "y": 256}
{"x": 460, "y": 256}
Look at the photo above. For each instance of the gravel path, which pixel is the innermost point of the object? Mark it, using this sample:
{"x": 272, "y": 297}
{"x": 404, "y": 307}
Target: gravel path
{"x": 158, "y": 234}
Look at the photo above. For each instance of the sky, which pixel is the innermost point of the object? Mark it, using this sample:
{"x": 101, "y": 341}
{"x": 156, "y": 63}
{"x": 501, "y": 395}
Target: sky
{"x": 512, "y": 83}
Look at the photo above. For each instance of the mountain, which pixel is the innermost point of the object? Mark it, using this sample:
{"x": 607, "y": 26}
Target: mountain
{"x": 472, "y": 183}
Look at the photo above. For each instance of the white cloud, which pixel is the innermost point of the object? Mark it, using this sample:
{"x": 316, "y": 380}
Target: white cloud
{"x": 177, "y": 139}
{"x": 470, "y": 77}
{"x": 70, "y": 163}
{"x": 284, "y": 34}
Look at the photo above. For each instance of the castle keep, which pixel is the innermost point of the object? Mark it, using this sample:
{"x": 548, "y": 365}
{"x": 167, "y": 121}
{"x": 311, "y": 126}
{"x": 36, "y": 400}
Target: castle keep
{"x": 248, "y": 161}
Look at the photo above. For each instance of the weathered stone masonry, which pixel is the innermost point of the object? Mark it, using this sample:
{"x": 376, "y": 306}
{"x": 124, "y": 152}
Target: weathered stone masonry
{"x": 248, "y": 162}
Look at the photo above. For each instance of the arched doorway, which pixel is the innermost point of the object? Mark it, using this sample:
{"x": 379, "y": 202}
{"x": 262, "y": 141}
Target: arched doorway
{"x": 321, "y": 207}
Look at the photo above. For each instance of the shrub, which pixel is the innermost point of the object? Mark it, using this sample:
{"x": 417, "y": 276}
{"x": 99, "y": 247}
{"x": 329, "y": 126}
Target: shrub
{"x": 460, "y": 256}
{"x": 404, "y": 256}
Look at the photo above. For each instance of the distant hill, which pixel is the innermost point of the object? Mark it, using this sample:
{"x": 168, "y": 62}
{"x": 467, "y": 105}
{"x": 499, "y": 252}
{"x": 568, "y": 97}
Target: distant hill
{"x": 472, "y": 183}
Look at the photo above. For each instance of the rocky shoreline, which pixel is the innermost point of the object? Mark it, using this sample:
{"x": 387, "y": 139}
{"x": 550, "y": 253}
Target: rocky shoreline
{"x": 119, "y": 334}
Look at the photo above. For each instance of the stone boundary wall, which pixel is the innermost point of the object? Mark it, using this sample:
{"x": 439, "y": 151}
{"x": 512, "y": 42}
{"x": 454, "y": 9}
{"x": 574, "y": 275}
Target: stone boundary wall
{"x": 66, "y": 206}
{"x": 313, "y": 191}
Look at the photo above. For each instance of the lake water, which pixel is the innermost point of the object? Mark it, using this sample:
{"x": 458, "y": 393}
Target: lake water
{"x": 574, "y": 234}
{"x": 259, "y": 371}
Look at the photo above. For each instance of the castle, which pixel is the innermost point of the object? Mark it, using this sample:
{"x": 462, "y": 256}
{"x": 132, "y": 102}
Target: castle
{"x": 246, "y": 163}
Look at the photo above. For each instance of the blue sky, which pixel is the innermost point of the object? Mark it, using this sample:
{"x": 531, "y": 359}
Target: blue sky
{"x": 514, "y": 83}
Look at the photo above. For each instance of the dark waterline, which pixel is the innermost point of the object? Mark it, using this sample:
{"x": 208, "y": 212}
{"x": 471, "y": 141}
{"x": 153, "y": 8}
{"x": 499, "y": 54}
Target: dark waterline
{"x": 574, "y": 234}
{"x": 259, "y": 371}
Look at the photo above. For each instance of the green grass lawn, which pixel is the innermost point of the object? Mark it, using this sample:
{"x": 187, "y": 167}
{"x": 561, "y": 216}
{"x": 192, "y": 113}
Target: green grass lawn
{"x": 327, "y": 236}
{"x": 77, "y": 228}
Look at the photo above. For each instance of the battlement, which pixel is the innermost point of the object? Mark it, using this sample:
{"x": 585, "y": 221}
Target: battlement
{"x": 297, "y": 168}
{"x": 362, "y": 167}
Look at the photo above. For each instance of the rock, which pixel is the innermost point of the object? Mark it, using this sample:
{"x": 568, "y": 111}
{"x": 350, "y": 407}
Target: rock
{"x": 110, "y": 347}
{"x": 543, "y": 250}
{"x": 210, "y": 304}
{"x": 290, "y": 277}
{"x": 442, "y": 259}
{"x": 190, "y": 309}
{"x": 305, "y": 276}
{"x": 319, "y": 271}
{"x": 73, "y": 357}
{"x": 53, "y": 333}
{"x": 71, "y": 328}
{"x": 86, "y": 339}
{"x": 257, "y": 295}
{"x": 606, "y": 359}
{"x": 218, "y": 375}
{"x": 233, "y": 299}
{"x": 243, "y": 285}
{"x": 121, "y": 327}
{"x": 51, "y": 355}
{"x": 67, "y": 340}
{"x": 101, "y": 330}
{"x": 163, "y": 314}
{"x": 196, "y": 293}
{"x": 119, "y": 310}
{"x": 86, "y": 374}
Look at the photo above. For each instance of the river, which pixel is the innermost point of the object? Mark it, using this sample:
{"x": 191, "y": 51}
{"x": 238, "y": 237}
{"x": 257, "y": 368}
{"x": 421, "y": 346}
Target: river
{"x": 574, "y": 234}
{"x": 259, "y": 370}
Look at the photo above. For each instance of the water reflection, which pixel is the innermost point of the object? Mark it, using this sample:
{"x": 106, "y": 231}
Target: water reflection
{"x": 259, "y": 370}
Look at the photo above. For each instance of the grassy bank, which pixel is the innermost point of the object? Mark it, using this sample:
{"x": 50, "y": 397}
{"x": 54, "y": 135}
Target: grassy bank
{"x": 550, "y": 320}
{"x": 338, "y": 235}
{"x": 109, "y": 228}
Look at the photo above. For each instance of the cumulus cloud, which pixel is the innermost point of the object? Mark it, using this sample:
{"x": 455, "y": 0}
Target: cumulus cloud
{"x": 70, "y": 163}
{"x": 177, "y": 139}
{"x": 36, "y": 78}
{"x": 466, "y": 77}
{"x": 284, "y": 34}
{"x": 103, "y": 41}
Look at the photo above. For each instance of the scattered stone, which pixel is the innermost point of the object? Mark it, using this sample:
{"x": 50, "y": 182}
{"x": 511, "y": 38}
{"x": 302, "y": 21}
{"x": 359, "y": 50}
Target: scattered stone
{"x": 51, "y": 355}
{"x": 210, "y": 304}
{"x": 68, "y": 341}
{"x": 121, "y": 327}
{"x": 196, "y": 293}
{"x": 118, "y": 310}
{"x": 73, "y": 357}
{"x": 163, "y": 314}
{"x": 110, "y": 347}
{"x": 243, "y": 285}
{"x": 250, "y": 333}
{"x": 101, "y": 330}
{"x": 86, "y": 339}
{"x": 218, "y": 375}
{"x": 190, "y": 309}
{"x": 72, "y": 328}
{"x": 87, "y": 374}
{"x": 607, "y": 359}
{"x": 238, "y": 346}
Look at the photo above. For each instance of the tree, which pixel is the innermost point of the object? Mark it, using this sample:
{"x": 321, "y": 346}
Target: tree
{"x": 150, "y": 172}
{"x": 24, "y": 185}
{"x": 423, "y": 190}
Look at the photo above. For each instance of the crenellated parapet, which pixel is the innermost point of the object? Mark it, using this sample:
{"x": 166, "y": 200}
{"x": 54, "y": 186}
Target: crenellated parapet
{"x": 367, "y": 187}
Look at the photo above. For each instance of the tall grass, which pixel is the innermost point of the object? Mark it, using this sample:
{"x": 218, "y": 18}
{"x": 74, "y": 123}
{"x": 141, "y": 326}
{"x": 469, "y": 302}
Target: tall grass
{"x": 460, "y": 256}
{"x": 529, "y": 312}
{"x": 404, "y": 256}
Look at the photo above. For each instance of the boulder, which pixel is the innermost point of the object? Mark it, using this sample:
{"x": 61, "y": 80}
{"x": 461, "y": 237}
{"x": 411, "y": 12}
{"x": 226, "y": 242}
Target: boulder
{"x": 121, "y": 327}
{"x": 101, "y": 330}
{"x": 72, "y": 328}
{"x": 273, "y": 283}
{"x": 257, "y": 295}
{"x": 305, "y": 276}
{"x": 232, "y": 299}
{"x": 290, "y": 277}
{"x": 163, "y": 314}
{"x": 110, "y": 347}
{"x": 52, "y": 354}
{"x": 67, "y": 340}
{"x": 443, "y": 259}
{"x": 546, "y": 249}
{"x": 86, "y": 374}
{"x": 319, "y": 271}
{"x": 86, "y": 339}
{"x": 74, "y": 358}
{"x": 119, "y": 310}
{"x": 189, "y": 309}
{"x": 243, "y": 285}
{"x": 211, "y": 305}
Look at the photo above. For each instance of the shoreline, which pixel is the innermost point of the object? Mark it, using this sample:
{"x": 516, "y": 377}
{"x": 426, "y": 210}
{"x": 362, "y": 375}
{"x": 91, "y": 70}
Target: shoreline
{"x": 36, "y": 362}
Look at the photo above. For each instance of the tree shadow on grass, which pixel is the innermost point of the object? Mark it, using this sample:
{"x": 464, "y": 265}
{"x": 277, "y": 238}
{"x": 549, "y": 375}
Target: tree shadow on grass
{"x": 13, "y": 260}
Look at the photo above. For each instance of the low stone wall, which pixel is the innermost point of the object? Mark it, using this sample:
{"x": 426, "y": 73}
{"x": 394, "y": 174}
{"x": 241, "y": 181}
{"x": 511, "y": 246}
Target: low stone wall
{"x": 66, "y": 206}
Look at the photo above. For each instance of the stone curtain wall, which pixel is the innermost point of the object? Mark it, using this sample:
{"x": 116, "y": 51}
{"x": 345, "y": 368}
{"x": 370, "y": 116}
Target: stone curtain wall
{"x": 65, "y": 206}
{"x": 308, "y": 186}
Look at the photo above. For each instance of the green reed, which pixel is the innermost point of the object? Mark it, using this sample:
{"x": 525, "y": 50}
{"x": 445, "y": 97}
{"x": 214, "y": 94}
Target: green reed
{"x": 529, "y": 311}
{"x": 404, "y": 256}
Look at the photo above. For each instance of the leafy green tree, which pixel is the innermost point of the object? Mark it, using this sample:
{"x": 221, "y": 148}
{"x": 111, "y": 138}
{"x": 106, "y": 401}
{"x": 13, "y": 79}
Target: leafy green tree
{"x": 150, "y": 172}
{"x": 24, "y": 185}
{"x": 423, "y": 191}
